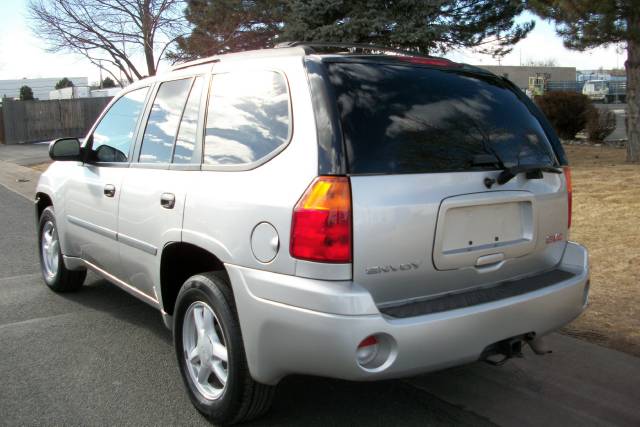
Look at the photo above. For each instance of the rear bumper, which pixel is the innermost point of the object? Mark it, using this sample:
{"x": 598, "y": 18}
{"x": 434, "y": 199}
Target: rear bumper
{"x": 293, "y": 325}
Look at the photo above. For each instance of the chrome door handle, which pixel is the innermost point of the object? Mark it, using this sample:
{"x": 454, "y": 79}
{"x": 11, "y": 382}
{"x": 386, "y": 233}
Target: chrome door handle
{"x": 109, "y": 190}
{"x": 167, "y": 200}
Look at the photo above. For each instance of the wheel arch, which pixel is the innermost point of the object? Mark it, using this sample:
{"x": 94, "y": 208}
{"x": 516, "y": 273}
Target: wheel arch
{"x": 178, "y": 262}
{"x": 42, "y": 201}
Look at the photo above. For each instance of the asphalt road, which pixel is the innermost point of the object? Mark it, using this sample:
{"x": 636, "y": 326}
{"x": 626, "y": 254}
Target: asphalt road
{"x": 101, "y": 357}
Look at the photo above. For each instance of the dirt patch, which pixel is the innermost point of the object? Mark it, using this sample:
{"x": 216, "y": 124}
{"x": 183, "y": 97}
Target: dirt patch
{"x": 606, "y": 219}
{"x": 41, "y": 167}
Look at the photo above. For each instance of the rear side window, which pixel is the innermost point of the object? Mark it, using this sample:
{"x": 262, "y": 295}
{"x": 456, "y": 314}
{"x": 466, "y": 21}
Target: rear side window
{"x": 248, "y": 117}
{"x": 186, "y": 141}
{"x": 162, "y": 126}
{"x": 409, "y": 119}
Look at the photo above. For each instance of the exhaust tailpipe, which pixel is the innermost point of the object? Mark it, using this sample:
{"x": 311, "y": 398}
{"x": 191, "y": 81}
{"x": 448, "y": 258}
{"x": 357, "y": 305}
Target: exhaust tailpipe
{"x": 538, "y": 345}
{"x": 498, "y": 353}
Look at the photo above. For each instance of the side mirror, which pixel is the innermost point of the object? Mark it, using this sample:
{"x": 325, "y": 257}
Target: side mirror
{"x": 65, "y": 149}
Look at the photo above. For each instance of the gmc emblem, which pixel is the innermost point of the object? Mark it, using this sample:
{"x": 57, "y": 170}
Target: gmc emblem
{"x": 552, "y": 238}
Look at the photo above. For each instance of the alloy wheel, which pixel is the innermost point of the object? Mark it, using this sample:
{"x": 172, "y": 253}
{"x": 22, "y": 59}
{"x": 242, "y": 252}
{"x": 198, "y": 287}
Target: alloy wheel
{"x": 49, "y": 246}
{"x": 205, "y": 350}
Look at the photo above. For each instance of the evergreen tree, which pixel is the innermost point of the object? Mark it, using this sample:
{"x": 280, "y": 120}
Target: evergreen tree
{"x": 428, "y": 26}
{"x": 221, "y": 26}
{"x": 587, "y": 24}
{"x": 65, "y": 82}
{"x": 26, "y": 94}
{"x": 108, "y": 82}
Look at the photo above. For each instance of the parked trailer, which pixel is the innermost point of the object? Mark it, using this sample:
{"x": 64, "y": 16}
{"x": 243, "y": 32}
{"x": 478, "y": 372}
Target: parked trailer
{"x": 565, "y": 86}
{"x": 605, "y": 90}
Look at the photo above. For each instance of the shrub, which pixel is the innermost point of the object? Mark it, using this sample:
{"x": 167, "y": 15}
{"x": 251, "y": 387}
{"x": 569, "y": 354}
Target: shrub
{"x": 567, "y": 111}
{"x": 600, "y": 124}
{"x": 26, "y": 94}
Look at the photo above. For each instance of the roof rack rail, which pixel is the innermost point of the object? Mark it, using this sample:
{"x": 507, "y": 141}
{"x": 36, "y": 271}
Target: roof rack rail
{"x": 194, "y": 63}
{"x": 313, "y": 46}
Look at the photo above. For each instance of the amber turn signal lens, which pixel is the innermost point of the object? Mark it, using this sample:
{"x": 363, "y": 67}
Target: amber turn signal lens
{"x": 321, "y": 223}
{"x": 567, "y": 178}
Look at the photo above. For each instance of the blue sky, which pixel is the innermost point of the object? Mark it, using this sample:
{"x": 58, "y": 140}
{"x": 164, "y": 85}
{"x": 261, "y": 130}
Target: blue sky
{"x": 23, "y": 55}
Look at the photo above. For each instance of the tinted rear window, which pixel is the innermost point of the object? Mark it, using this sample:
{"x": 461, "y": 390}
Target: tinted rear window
{"x": 408, "y": 119}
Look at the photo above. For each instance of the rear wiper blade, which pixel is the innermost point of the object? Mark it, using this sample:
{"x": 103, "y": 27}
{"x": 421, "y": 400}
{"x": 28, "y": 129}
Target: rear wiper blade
{"x": 486, "y": 160}
{"x": 509, "y": 173}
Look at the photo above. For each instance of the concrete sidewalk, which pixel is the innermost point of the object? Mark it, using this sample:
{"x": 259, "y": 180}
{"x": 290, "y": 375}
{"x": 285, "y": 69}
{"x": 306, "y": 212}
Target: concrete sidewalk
{"x": 579, "y": 384}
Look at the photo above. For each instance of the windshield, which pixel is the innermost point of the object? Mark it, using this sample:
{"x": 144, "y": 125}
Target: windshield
{"x": 409, "y": 119}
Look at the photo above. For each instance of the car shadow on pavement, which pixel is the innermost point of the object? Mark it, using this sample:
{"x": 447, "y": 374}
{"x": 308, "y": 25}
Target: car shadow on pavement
{"x": 299, "y": 400}
{"x": 101, "y": 295}
{"x": 312, "y": 401}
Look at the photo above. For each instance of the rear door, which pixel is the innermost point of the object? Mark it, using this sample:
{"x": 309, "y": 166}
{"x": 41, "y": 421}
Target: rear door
{"x": 420, "y": 143}
{"x": 154, "y": 191}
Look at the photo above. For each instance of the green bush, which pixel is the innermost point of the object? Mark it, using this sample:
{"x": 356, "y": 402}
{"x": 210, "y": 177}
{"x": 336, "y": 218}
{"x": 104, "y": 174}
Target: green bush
{"x": 567, "y": 111}
{"x": 600, "y": 124}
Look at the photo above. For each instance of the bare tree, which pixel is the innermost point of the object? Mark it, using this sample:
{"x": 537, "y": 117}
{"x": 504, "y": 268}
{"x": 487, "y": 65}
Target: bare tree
{"x": 110, "y": 32}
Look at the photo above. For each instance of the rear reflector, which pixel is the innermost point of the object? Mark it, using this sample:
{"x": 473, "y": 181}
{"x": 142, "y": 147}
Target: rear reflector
{"x": 370, "y": 340}
{"x": 367, "y": 351}
{"x": 321, "y": 224}
{"x": 567, "y": 178}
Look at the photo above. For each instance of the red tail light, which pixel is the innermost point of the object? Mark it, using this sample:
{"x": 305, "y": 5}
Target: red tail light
{"x": 567, "y": 178}
{"x": 321, "y": 225}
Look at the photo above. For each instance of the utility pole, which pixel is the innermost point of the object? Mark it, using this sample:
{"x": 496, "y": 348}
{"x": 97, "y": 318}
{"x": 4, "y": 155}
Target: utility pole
{"x": 100, "y": 66}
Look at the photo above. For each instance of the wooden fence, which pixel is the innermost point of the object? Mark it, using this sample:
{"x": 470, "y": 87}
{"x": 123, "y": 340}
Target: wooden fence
{"x": 1, "y": 127}
{"x": 30, "y": 121}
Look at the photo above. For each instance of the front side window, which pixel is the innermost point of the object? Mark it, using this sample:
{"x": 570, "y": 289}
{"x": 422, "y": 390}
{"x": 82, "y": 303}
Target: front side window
{"x": 162, "y": 126}
{"x": 113, "y": 136}
{"x": 248, "y": 117}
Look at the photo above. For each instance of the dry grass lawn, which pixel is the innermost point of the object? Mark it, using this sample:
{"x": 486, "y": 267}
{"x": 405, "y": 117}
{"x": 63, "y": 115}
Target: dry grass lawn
{"x": 606, "y": 219}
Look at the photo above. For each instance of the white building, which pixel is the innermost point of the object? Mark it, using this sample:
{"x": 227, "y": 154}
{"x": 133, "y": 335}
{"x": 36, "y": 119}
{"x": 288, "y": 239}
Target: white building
{"x": 71, "y": 92}
{"x": 112, "y": 91}
{"x": 40, "y": 87}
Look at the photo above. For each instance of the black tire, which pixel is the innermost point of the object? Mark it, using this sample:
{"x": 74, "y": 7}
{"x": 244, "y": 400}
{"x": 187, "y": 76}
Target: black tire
{"x": 62, "y": 280}
{"x": 242, "y": 398}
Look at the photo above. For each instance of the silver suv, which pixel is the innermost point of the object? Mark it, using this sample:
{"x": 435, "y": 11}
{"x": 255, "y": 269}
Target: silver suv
{"x": 320, "y": 210}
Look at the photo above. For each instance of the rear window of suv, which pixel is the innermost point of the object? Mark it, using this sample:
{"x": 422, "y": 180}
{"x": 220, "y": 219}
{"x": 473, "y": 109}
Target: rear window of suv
{"x": 412, "y": 119}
